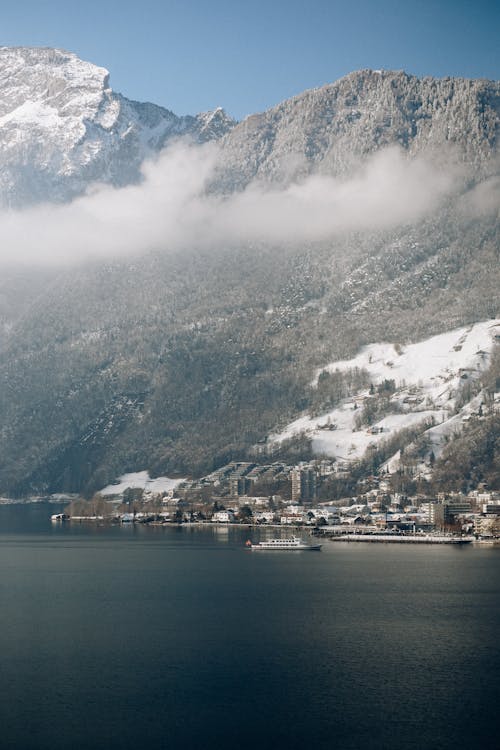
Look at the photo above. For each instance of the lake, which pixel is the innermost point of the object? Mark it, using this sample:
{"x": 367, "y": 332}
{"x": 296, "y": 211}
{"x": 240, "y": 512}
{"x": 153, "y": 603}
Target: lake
{"x": 141, "y": 637}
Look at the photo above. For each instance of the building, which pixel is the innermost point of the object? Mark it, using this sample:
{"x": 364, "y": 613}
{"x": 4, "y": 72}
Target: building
{"x": 223, "y": 516}
{"x": 456, "y": 507}
{"x": 488, "y": 526}
{"x": 239, "y": 486}
{"x": 291, "y": 519}
{"x": 264, "y": 516}
{"x": 445, "y": 512}
{"x": 303, "y": 485}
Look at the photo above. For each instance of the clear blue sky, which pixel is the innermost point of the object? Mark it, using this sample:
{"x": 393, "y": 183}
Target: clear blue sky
{"x": 190, "y": 55}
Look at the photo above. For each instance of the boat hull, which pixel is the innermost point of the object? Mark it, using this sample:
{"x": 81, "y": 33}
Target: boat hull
{"x": 283, "y": 544}
{"x": 297, "y": 548}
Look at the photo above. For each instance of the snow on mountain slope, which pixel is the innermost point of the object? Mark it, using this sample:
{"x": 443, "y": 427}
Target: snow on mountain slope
{"x": 62, "y": 127}
{"x": 428, "y": 379}
{"x": 140, "y": 480}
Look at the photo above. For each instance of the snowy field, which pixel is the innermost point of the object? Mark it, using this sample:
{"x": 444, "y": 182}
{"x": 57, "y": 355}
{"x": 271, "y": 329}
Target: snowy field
{"x": 140, "y": 480}
{"x": 428, "y": 375}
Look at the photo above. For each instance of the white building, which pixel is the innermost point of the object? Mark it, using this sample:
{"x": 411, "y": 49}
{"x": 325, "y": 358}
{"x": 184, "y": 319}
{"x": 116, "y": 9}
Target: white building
{"x": 264, "y": 516}
{"x": 223, "y": 516}
{"x": 292, "y": 518}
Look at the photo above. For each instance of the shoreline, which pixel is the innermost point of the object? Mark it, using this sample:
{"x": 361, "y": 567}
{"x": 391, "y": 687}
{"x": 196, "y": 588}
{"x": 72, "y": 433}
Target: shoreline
{"x": 346, "y": 537}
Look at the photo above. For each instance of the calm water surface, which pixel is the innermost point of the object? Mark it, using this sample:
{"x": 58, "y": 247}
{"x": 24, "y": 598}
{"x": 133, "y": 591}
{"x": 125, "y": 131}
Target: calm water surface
{"x": 164, "y": 638}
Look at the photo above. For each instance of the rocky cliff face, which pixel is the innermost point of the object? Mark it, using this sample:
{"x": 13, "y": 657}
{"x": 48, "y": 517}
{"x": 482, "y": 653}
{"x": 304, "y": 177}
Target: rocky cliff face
{"x": 62, "y": 127}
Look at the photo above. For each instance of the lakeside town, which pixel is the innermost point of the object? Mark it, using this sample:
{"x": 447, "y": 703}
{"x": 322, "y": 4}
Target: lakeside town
{"x": 245, "y": 493}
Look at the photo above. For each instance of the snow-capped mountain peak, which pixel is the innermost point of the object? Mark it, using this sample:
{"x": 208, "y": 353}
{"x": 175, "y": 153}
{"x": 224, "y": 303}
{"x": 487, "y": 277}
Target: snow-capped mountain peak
{"x": 63, "y": 127}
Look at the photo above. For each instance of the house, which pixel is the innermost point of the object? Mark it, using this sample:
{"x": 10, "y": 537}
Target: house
{"x": 292, "y": 518}
{"x": 223, "y": 516}
{"x": 488, "y": 526}
{"x": 264, "y": 516}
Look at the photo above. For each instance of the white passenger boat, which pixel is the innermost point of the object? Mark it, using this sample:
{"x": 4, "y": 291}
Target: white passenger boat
{"x": 290, "y": 543}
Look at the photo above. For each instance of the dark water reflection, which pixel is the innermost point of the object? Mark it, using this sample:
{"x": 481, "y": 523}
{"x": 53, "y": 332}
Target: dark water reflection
{"x": 153, "y": 638}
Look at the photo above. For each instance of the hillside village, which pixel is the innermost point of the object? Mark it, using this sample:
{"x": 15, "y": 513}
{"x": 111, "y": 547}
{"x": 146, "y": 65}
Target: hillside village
{"x": 385, "y": 458}
{"x": 180, "y": 360}
{"x": 433, "y": 385}
{"x": 236, "y": 493}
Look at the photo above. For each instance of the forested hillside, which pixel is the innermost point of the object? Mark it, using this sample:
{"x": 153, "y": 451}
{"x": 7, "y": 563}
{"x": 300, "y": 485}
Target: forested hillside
{"x": 180, "y": 360}
{"x": 179, "y": 364}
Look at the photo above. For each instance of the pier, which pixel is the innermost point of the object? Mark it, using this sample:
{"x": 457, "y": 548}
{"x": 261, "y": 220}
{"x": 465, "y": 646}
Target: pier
{"x": 398, "y": 538}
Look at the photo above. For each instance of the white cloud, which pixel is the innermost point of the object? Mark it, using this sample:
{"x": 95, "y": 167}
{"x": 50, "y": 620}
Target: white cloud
{"x": 110, "y": 221}
{"x": 170, "y": 208}
{"x": 483, "y": 199}
{"x": 389, "y": 190}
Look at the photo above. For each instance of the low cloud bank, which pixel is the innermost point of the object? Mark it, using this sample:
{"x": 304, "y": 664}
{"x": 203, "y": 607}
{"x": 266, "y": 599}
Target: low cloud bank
{"x": 170, "y": 208}
{"x": 483, "y": 199}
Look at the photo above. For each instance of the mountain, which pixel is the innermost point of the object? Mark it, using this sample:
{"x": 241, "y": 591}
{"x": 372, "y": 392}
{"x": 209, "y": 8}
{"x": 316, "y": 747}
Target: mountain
{"x": 183, "y": 359}
{"x": 332, "y": 129}
{"x": 62, "y": 127}
{"x": 436, "y": 381}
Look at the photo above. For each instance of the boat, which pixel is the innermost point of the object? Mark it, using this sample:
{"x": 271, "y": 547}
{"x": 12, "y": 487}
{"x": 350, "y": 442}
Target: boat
{"x": 59, "y": 517}
{"x": 289, "y": 543}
